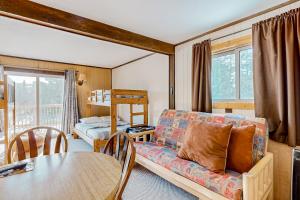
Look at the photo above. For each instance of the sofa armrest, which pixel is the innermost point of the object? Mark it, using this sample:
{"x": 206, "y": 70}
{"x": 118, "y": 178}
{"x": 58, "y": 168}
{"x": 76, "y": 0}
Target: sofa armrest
{"x": 143, "y": 135}
{"x": 258, "y": 182}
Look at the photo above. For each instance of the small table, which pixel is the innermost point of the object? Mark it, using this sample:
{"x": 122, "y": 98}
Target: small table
{"x": 76, "y": 176}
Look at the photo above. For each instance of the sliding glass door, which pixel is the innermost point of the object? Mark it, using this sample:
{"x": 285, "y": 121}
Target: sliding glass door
{"x": 51, "y": 90}
{"x": 25, "y": 102}
{"x": 38, "y": 101}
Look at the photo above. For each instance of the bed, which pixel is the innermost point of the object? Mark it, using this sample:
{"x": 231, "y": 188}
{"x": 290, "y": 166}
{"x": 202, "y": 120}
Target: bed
{"x": 96, "y": 131}
{"x": 99, "y": 130}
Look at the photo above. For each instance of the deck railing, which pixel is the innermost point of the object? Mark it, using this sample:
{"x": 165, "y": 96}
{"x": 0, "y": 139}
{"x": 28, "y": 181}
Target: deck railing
{"x": 49, "y": 115}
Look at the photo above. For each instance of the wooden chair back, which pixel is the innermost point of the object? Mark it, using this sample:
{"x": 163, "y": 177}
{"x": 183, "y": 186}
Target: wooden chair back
{"x": 48, "y": 133}
{"x": 120, "y": 146}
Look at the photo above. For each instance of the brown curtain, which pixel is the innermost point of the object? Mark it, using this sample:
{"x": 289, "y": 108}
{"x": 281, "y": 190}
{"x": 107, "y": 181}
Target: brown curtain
{"x": 201, "y": 77}
{"x": 276, "y": 45}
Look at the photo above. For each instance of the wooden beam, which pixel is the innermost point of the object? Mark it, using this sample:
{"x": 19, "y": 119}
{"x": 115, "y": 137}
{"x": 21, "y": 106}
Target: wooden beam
{"x": 231, "y": 44}
{"x": 240, "y": 105}
{"x": 50, "y": 17}
{"x": 172, "y": 81}
{"x": 34, "y": 71}
{"x": 24, "y": 60}
{"x": 133, "y": 60}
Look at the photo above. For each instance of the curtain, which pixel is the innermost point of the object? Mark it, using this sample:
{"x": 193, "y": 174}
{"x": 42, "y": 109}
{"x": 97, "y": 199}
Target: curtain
{"x": 201, "y": 77}
{"x": 70, "y": 107}
{"x": 276, "y": 63}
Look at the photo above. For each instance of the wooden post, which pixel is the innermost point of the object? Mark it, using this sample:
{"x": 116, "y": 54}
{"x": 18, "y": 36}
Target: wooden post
{"x": 172, "y": 81}
{"x": 35, "y": 13}
{"x": 146, "y": 114}
{"x": 131, "y": 115}
{"x": 5, "y": 115}
{"x": 113, "y": 118}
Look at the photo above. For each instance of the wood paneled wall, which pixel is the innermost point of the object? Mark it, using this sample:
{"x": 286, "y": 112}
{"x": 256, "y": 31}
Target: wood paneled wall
{"x": 282, "y": 169}
{"x": 96, "y": 78}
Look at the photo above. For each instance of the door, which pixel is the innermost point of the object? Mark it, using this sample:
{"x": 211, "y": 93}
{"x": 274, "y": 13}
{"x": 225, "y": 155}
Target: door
{"x": 38, "y": 100}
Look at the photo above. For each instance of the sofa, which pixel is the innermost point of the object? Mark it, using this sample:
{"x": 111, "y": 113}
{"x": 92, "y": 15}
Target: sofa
{"x": 159, "y": 155}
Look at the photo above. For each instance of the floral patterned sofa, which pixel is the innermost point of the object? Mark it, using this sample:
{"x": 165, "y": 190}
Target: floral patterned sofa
{"x": 160, "y": 156}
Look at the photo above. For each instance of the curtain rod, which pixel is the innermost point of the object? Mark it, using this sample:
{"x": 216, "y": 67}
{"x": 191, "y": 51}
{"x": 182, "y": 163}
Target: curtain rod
{"x": 11, "y": 68}
{"x": 231, "y": 34}
{"x": 18, "y": 67}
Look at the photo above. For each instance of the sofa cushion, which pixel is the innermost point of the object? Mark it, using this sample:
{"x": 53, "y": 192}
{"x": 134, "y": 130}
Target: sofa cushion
{"x": 172, "y": 125}
{"x": 239, "y": 157}
{"x": 206, "y": 143}
{"x": 228, "y": 185}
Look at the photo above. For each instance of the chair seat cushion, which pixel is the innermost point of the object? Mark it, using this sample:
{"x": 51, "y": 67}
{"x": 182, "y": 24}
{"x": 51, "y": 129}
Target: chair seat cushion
{"x": 228, "y": 185}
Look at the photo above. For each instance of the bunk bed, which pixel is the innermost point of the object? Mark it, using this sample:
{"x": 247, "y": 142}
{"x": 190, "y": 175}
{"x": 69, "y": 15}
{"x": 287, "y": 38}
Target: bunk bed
{"x": 7, "y": 112}
{"x": 97, "y": 134}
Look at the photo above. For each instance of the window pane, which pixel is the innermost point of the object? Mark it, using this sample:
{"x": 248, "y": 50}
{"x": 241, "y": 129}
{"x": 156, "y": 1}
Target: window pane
{"x": 246, "y": 74}
{"x": 51, "y": 101}
{"x": 25, "y": 101}
{"x": 223, "y": 77}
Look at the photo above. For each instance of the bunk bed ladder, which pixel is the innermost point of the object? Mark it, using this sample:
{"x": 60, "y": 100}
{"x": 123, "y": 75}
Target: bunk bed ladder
{"x": 144, "y": 113}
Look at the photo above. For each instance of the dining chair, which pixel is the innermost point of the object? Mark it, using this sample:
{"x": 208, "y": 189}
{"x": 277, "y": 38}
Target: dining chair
{"x": 18, "y": 143}
{"x": 121, "y": 147}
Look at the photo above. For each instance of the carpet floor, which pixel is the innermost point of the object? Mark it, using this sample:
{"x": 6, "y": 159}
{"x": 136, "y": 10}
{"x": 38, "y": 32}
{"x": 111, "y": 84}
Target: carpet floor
{"x": 142, "y": 184}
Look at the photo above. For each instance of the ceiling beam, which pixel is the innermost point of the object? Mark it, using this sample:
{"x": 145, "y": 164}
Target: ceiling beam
{"x": 50, "y": 17}
{"x": 137, "y": 59}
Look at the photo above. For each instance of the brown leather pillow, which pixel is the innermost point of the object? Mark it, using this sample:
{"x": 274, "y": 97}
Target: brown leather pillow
{"x": 240, "y": 148}
{"x": 206, "y": 144}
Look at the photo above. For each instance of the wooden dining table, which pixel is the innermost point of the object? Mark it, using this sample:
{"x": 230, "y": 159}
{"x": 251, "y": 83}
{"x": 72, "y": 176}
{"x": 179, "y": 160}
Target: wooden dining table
{"x": 76, "y": 176}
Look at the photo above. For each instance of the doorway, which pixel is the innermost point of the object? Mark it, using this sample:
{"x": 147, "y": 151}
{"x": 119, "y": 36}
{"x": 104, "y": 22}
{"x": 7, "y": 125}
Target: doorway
{"x": 38, "y": 100}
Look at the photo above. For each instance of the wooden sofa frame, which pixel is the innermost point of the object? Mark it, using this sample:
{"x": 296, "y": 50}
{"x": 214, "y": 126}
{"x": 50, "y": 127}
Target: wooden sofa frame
{"x": 117, "y": 96}
{"x": 257, "y": 183}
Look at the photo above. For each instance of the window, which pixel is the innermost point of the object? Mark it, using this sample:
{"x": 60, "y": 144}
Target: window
{"x": 232, "y": 75}
{"x": 38, "y": 100}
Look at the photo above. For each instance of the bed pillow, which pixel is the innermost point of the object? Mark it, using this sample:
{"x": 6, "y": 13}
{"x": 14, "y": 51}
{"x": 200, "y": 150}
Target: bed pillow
{"x": 206, "y": 143}
{"x": 95, "y": 119}
{"x": 107, "y": 119}
{"x": 240, "y": 148}
{"x": 90, "y": 120}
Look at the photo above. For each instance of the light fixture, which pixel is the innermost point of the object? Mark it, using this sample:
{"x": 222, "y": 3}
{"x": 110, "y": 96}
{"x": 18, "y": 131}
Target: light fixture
{"x": 81, "y": 79}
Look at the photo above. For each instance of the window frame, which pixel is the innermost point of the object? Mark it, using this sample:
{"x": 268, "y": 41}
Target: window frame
{"x": 236, "y": 52}
{"x": 37, "y": 77}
